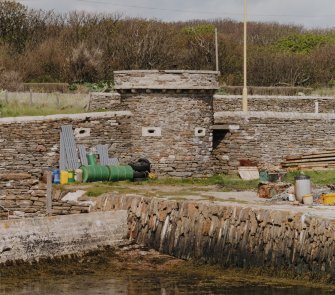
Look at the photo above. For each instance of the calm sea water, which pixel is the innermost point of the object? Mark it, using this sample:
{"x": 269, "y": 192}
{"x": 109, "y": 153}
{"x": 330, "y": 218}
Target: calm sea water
{"x": 143, "y": 283}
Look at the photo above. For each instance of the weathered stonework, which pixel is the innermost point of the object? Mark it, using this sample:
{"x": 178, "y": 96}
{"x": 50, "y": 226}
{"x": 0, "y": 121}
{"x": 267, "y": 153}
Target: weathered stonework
{"x": 104, "y": 101}
{"x": 29, "y": 145}
{"x": 167, "y": 79}
{"x": 178, "y": 151}
{"x": 267, "y": 138}
{"x": 167, "y": 117}
{"x": 234, "y": 235}
{"x": 262, "y": 103}
{"x": 178, "y": 103}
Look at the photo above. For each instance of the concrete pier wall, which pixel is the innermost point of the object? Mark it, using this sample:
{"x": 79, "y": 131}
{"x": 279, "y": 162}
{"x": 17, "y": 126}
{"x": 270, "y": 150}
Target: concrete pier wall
{"x": 48, "y": 237}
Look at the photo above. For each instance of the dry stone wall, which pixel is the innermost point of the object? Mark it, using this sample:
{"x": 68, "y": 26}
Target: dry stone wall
{"x": 172, "y": 118}
{"x": 233, "y": 235}
{"x": 258, "y": 103}
{"x": 176, "y": 149}
{"x": 101, "y": 101}
{"x": 267, "y": 138}
{"x": 231, "y": 103}
{"x": 28, "y": 145}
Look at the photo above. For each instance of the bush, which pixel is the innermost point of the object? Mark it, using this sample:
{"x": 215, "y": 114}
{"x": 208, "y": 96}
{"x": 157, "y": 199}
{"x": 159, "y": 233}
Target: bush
{"x": 304, "y": 43}
{"x": 10, "y": 80}
{"x": 81, "y": 47}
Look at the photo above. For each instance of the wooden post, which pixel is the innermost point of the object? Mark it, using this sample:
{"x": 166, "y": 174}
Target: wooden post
{"x": 316, "y": 107}
{"x": 49, "y": 193}
{"x": 216, "y": 50}
{"x": 30, "y": 97}
{"x": 88, "y": 106}
{"x": 6, "y": 96}
{"x": 57, "y": 100}
{"x": 245, "y": 87}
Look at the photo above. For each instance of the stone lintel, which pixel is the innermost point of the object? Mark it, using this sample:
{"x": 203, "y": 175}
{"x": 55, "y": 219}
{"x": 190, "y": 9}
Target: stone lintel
{"x": 225, "y": 127}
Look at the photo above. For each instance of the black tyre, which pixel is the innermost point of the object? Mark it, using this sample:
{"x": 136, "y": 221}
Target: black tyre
{"x": 141, "y": 165}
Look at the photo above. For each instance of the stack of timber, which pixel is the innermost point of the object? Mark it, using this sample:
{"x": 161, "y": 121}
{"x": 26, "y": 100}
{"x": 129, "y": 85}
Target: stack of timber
{"x": 315, "y": 161}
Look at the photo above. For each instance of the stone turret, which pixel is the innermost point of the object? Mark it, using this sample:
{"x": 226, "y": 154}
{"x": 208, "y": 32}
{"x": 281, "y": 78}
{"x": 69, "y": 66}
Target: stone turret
{"x": 172, "y": 118}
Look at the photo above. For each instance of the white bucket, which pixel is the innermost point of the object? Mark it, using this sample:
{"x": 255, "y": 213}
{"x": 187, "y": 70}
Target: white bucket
{"x": 302, "y": 187}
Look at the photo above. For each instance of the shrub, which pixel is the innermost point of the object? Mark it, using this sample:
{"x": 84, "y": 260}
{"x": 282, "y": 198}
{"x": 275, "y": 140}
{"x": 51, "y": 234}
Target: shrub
{"x": 303, "y": 43}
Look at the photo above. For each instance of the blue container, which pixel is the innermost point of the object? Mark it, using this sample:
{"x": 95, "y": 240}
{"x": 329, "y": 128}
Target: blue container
{"x": 56, "y": 176}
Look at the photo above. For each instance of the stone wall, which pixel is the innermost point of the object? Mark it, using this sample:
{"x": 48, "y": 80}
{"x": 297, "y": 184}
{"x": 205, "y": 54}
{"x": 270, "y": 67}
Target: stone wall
{"x": 234, "y": 235}
{"x": 172, "y": 118}
{"x": 267, "y": 138}
{"x": 257, "y": 103}
{"x": 230, "y": 103}
{"x": 28, "y": 145}
{"x": 104, "y": 101}
{"x": 176, "y": 150}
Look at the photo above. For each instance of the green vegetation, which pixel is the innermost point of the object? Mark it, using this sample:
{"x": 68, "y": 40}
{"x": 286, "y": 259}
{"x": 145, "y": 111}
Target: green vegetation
{"x": 304, "y": 43}
{"x": 327, "y": 91}
{"x": 199, "y": 30}
{"x": 224, "y": 182}
{"x": 81, "y": 47}
{"x": 43, "y": 104}
{"x": 18, "y": 109}
{"x": 317, "y": 177}
{"x": 179, "y": 188}
{"x": 173, "y": 187}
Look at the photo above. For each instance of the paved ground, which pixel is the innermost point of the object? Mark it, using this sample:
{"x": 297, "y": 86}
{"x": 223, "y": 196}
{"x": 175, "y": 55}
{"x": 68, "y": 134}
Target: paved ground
{"x": 211, "y": 194}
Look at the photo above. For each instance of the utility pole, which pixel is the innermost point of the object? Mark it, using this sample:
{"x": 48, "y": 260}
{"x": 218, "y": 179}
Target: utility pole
{"x": 216, "y": 49}
{"x": 245, "y": 88}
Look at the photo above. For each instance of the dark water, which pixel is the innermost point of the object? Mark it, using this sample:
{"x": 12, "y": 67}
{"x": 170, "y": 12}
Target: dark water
{"x": 143, "y": 283}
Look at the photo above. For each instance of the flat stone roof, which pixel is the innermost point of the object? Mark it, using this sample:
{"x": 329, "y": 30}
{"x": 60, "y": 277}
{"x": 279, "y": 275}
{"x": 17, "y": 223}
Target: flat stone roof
{"x": 166, "y": 79}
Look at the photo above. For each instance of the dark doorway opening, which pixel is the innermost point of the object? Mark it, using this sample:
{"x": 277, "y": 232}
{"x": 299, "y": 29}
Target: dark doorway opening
{"x": 218, "y": 136}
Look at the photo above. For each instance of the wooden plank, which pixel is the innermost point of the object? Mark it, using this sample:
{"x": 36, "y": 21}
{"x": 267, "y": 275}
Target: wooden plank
{"x": 312, "y": 156}
{"x": 308, "y": 163}
{"x": 330, "y": 159}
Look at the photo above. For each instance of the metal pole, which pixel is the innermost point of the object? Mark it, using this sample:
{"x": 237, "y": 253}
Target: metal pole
{"x": 245, "y": 88}
{"x": 216, "y": 49}
{"x": 49, "y": 193}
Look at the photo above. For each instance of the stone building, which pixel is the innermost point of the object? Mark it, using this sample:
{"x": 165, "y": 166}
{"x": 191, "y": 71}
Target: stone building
{"x": 172, "y": 118}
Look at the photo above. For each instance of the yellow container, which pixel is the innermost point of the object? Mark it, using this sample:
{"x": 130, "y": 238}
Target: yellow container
{"x": 71, "y": 177}
{"x": 64, "y": 177}
{"x": 328, "y": 199}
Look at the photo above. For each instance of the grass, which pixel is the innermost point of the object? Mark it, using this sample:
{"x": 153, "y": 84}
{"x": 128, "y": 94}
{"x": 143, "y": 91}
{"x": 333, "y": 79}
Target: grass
{"x": 326, "y": 91}
{"x": 178, "y": 188}
{"x": 321, "y": 178}
{"x": 172, "y": 187}
{"x": 43, "y": 104}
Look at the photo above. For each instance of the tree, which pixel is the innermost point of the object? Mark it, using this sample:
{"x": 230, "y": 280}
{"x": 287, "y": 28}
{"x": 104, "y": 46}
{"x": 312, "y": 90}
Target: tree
{"x": 13, "y": 25}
